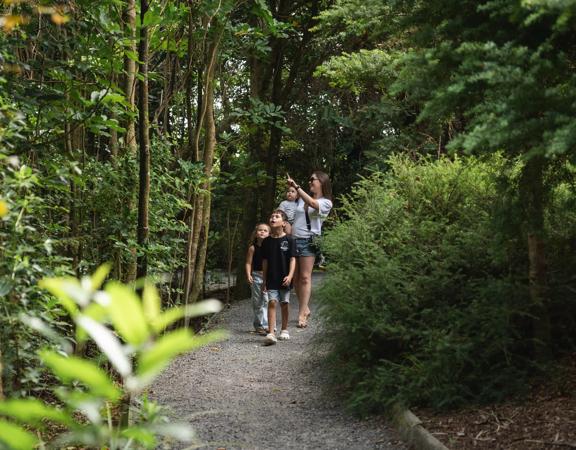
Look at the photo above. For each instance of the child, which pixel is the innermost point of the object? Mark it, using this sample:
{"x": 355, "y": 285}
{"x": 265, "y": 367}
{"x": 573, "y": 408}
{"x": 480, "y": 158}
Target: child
{"x": 289, "y": 207}
{"x": 278, "y": 265}
{"x": 254, "y": 276}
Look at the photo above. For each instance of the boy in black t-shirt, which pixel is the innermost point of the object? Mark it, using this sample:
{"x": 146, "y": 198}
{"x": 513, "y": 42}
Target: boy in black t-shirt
{"x": 278, "y": 265}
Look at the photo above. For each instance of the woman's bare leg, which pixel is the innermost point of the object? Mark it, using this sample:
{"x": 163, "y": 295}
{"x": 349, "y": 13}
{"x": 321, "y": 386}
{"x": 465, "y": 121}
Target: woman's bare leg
{"x": 303, "y": 283}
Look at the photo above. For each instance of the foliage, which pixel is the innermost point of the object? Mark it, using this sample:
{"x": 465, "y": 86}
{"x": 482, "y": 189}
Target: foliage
{"x": 475, "y": 76}
{"x": 28, "y": 253}
{"x": 426, "y": 297}
{"x": 131, "y": 335}
{"x": 299, "y": 85}
{"x": 37, "y": 240}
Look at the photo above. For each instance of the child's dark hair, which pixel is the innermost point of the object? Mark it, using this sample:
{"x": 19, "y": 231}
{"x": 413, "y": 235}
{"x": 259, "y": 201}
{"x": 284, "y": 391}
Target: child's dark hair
{"x": 296, "y": 191}
{"x": 253, "y": 235}
{"x": 282, "y": 213}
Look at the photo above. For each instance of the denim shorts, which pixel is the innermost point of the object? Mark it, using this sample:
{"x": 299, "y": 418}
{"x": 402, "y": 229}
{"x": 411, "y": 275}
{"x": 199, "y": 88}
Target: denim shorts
{"x": 303, "y": 247}
{"x": 281, "y": 295}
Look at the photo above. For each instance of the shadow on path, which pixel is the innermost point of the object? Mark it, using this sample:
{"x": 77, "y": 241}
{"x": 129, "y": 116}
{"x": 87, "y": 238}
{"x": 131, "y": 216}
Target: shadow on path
{"x": 240, "y": 394}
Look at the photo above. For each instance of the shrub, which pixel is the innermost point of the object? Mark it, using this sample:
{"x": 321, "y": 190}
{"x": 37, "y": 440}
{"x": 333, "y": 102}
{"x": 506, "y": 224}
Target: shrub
{"x": 425, "y": 302}
{"x": 133, "y": 337}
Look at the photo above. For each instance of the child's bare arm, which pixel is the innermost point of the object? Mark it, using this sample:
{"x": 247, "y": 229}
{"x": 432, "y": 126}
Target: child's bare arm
{"x": 248, "y": 266}
{"x": 264, "y": 274}
{"x": 288, "y": 278}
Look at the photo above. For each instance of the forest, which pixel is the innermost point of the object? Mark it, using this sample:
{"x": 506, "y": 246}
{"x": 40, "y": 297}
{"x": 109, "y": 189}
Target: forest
{"x": 144, "y": 139}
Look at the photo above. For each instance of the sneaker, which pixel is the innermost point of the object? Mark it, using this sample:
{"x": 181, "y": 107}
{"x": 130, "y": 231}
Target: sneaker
{"x": 284, "y": 335}
{"x": 270, "y": 339}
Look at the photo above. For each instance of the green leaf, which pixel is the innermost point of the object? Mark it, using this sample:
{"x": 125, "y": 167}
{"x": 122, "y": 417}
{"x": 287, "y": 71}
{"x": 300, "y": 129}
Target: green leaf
{"x": 94, "y": 311}
{"x": 132, "y": 55}
{"x": 16, "y": 437}
{"x": 108, "y": 344}
{"x": 174, "y": 314}
{"x": 151, "y": 18}
{"x": 32, "y": 411}
{"x": 261, "y": 10}
{"x": 156, "y": 358}
{"x": 46, "y": 330}
{"x": 83, "y": 402}
{"x": 72, "y": 368}
{"x": 56, "y": 286}
{"x": 151, "y": 302}
{"x": 127, "y": 314}
{"x": 100, "y": 275}
{"x": 5, "y": 286}
{"x": 112, "y": 98}
{"x": 179, "y": 431}
{"x": 140, "y": 435}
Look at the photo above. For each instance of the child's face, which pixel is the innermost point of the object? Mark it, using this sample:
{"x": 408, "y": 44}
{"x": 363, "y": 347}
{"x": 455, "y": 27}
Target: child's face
{"x": 276, "y": 221}
{"x": 291, "y": 194}
{"x": 262, "y": 232}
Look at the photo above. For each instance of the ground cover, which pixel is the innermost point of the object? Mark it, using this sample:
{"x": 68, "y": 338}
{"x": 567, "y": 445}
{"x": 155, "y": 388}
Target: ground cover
{"x": 545, "y": 418}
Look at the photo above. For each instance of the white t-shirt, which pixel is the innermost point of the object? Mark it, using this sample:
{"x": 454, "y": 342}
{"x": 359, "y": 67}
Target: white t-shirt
{"x": 300, "y": 229}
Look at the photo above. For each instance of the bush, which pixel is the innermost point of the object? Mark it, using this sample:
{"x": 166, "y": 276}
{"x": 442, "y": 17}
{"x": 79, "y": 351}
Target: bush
{"x": 425, "y": 302}
{"x": 132, "y": 336}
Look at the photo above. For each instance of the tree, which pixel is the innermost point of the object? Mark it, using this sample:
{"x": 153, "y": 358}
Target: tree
{"x": 481, "y": 77}
{"x": 144, "y": 143}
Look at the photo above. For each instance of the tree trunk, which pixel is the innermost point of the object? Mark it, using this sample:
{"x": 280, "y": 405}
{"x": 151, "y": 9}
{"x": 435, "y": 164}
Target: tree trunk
{"x": 113, "y": 143}
{"x": 192, "y": 244}
{"x": 186, "y": 151}
{"x": 197, "y": 200}
{"x": 73, "y": 141}
{"x": 198, "y": 283}
{"x": 130, "y": 73}
{"x": 275, "y": 133}
{"x": 532, "y": 194}
{"x": 128, "y": 272}
{"x": 200, "y": 221}
{"x": 232, "y": 231}
{"x": 144, "y": 144}
{"x": 272, "y": 169}
{"x": 209, "y": 149}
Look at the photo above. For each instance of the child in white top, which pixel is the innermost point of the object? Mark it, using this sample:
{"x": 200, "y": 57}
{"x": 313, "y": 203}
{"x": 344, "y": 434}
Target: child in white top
{"x": 289, "y": 208}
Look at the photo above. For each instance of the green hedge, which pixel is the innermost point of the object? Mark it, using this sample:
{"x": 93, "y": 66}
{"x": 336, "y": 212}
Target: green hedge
{"x": 426, "y": 300}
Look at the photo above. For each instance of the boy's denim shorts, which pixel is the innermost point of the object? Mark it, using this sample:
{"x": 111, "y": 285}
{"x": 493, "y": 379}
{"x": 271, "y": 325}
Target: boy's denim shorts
{"x": 303, "y": 247}
{"x": 280, "y": 295}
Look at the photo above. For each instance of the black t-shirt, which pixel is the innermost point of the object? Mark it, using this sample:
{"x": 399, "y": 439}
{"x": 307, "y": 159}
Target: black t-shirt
{"x": 277, "y": 252}
{"x": 257, "y": 258}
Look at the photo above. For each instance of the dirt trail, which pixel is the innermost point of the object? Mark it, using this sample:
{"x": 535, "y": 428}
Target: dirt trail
{"x": 239, "y": 394}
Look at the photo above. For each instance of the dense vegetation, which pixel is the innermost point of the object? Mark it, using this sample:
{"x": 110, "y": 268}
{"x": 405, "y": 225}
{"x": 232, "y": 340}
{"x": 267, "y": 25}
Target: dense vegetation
{"x": 427, "y": 297}
{"x": 469, "y": 283}
{"x": 153, "y": 135}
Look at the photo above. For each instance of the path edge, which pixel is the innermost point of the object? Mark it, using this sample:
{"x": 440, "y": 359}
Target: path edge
{"x": 410, "y": 428}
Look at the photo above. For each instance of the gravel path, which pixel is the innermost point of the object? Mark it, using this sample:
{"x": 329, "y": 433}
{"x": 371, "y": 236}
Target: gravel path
{"x": 239, "y": 394}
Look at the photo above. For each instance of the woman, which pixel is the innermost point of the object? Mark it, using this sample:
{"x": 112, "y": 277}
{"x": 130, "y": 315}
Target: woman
{"x": 311, "y": 211}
